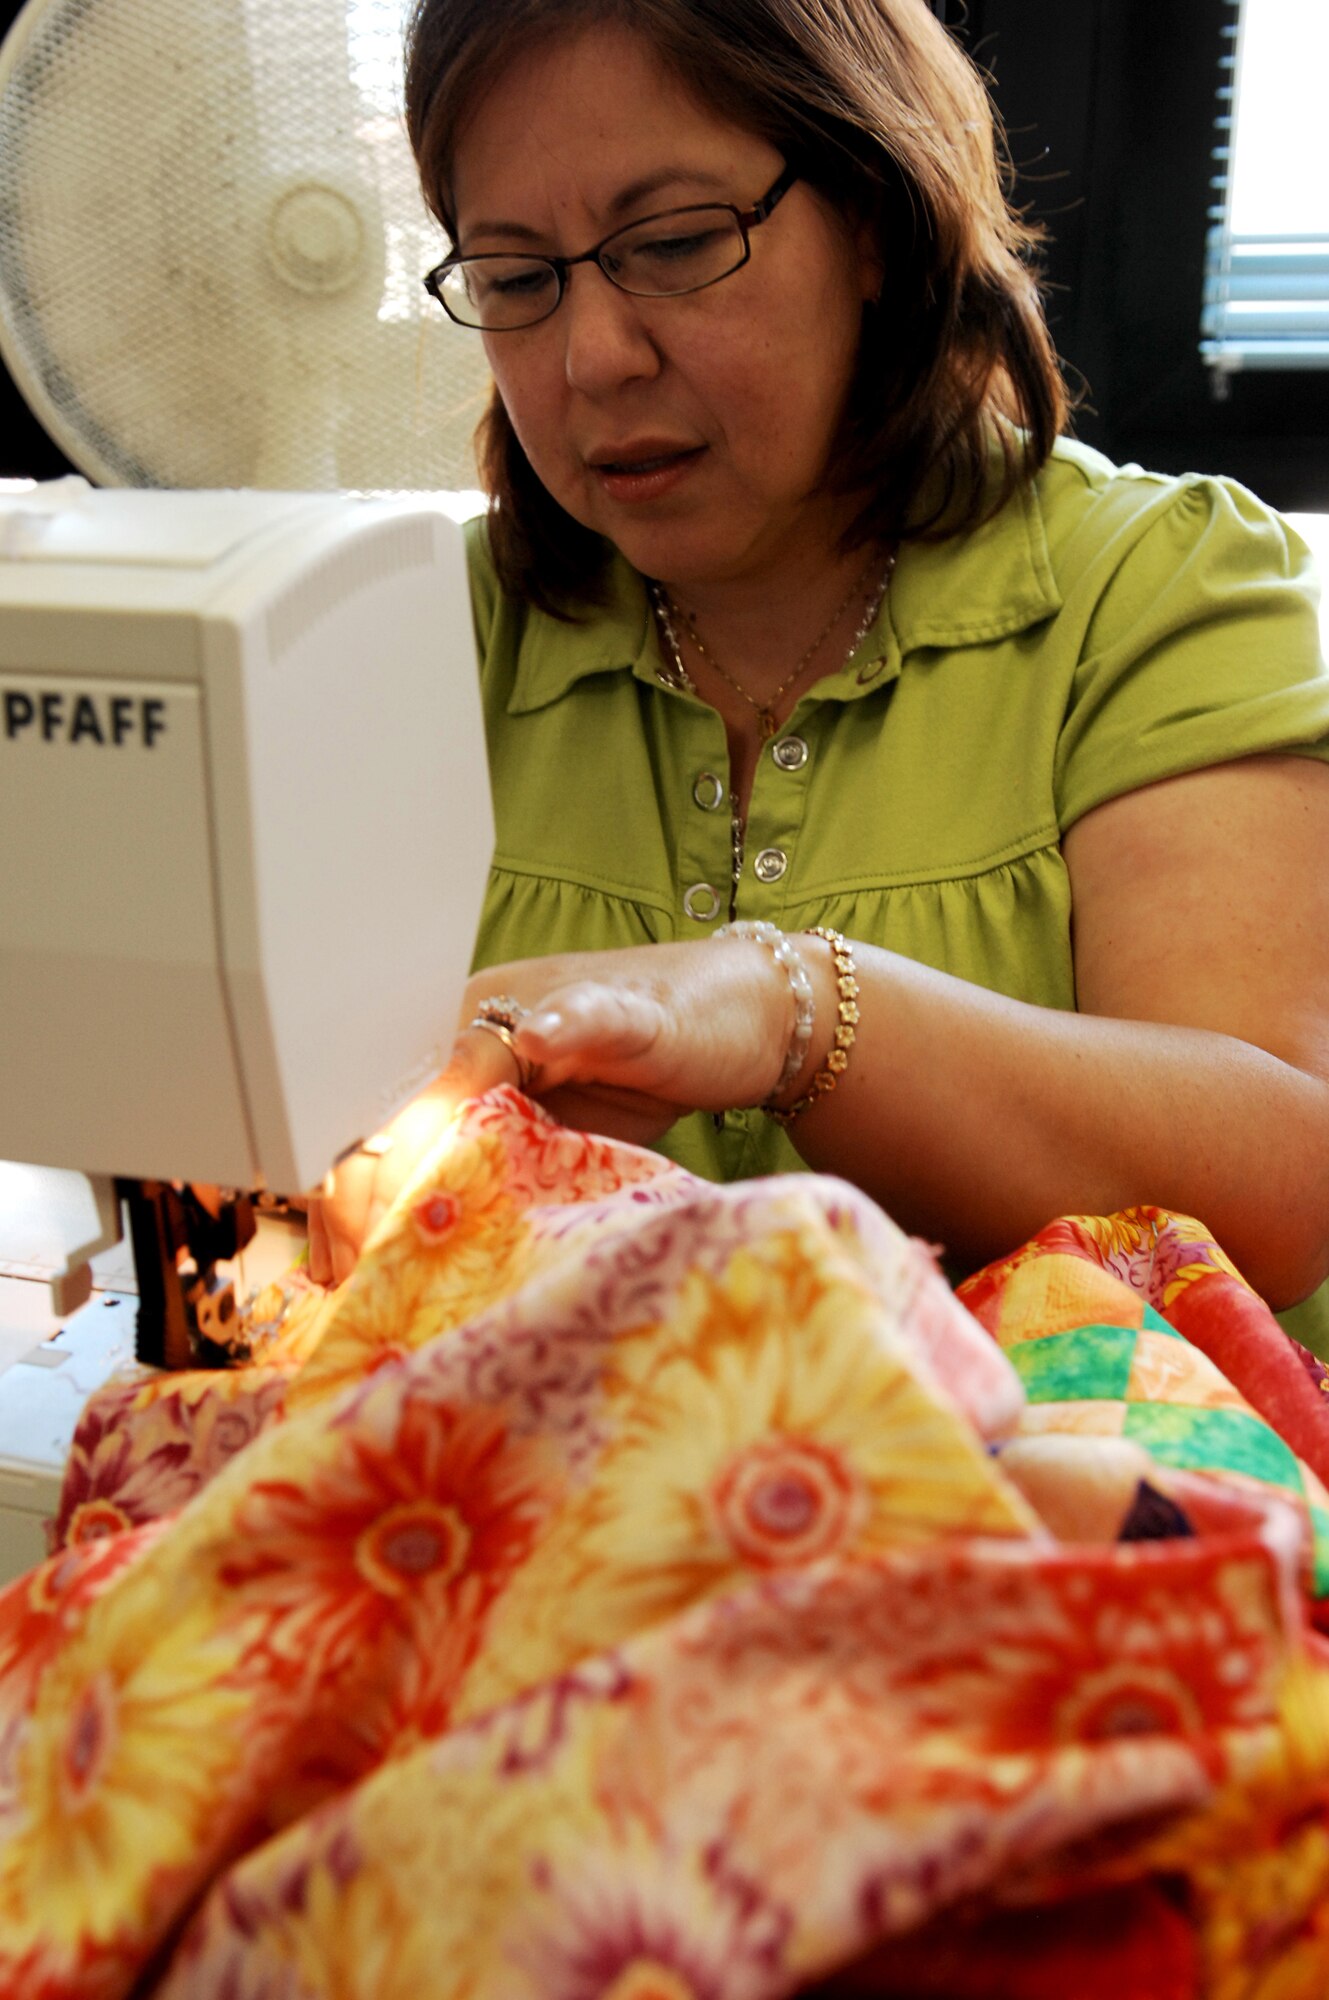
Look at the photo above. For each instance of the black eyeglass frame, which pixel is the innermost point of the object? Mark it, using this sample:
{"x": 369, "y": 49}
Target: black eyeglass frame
{"x": 746, "y": 219}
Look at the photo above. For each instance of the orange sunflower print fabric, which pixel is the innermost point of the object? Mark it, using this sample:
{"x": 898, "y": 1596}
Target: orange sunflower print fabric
{"x": 626, "y": 1588}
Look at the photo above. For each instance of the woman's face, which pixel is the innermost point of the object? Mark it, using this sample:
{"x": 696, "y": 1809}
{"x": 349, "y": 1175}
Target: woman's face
{"x": 692, "y": 431}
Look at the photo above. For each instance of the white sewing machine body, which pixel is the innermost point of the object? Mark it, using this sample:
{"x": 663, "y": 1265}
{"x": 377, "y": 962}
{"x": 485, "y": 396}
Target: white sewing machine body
{"x": 245, "y": 825}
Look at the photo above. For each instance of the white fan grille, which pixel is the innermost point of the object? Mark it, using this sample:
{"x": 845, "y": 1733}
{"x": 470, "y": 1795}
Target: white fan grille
{"x": 211, "y": 243}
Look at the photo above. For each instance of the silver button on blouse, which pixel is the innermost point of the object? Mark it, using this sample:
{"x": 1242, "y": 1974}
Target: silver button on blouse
{"x": 702, "y": 903}
{"x": 770, "y": 864}
{"x": 790, "y": 753}
{"x": 707, "y": 791}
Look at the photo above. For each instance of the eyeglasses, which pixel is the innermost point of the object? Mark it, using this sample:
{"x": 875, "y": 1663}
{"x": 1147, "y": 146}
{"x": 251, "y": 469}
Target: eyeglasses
{"x": 660, "y": 257}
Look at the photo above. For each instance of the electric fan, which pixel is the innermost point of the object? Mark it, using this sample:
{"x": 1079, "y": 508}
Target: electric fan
{"x": 211, "y": 242}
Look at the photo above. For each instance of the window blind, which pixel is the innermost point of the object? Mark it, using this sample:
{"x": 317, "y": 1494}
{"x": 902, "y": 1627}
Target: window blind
{"x": 1266, "y": 290}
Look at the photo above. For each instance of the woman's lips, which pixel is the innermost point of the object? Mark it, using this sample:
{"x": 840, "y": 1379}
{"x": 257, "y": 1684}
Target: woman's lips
{"x": 645, "y": 475}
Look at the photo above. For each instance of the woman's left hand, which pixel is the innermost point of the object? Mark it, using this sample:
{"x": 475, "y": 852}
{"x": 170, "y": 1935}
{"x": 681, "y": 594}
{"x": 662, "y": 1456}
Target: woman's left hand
{"x": 361, "y": 1188}
{"x": 627, "y": 1042}
{"x": 619, "y": 1042}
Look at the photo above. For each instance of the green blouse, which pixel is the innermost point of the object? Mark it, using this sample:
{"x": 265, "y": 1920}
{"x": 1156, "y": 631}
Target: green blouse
{"x": 1107, "y": 628}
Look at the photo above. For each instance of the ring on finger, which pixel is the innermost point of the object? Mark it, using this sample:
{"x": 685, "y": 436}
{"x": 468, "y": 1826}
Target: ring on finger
{"x": 500, "y": 1016}
{"x": 500, "y": 1029}
{"x": 504, "y": 1008}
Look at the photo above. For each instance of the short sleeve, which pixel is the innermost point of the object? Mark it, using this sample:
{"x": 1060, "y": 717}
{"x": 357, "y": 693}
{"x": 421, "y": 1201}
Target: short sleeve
{"x": 1201, "y": 644}
{"x": 484, "y": 582}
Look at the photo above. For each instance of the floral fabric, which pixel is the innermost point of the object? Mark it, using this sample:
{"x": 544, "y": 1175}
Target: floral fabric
{"x": 622, "y": 1589}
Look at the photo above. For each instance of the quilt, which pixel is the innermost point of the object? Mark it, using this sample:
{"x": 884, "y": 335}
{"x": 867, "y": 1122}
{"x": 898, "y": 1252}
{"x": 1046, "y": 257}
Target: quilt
{"x": 627, "y": 1588}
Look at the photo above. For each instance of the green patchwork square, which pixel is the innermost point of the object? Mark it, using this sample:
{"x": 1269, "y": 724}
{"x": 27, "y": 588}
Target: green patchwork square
{"x": 1213, "y": 1440}
{"x": 1320, "y": 1528}
{"x": 1156, "y": 1323}
{"x": 1088, "y": 1364}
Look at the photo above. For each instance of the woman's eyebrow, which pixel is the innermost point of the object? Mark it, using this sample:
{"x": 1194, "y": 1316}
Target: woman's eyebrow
{"x": 641, "y": 190}
{"x": 629, "y": 197}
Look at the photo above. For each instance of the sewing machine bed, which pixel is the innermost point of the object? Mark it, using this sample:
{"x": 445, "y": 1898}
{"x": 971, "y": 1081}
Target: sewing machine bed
{"x": 625, "y": 1585}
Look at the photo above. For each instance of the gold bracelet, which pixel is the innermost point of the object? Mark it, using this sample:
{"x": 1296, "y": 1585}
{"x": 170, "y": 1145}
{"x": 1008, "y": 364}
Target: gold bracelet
{"x": 837, "y": 1056}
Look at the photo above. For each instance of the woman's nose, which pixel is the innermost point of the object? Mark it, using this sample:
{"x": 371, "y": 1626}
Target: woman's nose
{"x": 606, "y": 341}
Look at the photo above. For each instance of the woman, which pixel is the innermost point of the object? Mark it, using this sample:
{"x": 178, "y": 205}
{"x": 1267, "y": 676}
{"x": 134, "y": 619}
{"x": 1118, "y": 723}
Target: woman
{"x": 793, "y": 611}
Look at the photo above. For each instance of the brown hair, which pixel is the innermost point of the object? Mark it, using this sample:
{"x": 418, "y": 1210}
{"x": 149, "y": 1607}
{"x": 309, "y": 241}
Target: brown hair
{"x": 881, "y": 112}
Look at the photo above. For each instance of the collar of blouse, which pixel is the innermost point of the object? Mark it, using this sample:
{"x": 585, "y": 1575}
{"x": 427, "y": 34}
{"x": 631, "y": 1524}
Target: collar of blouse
{"x": 998, "y": 581}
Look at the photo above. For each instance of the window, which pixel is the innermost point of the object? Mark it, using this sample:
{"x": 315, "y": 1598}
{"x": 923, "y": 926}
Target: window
{"x": 1266, "y": 302}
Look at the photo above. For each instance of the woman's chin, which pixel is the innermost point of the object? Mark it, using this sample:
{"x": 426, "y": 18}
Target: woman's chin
{"x": 662, "y": 541}
{"x": 681, "y": 554}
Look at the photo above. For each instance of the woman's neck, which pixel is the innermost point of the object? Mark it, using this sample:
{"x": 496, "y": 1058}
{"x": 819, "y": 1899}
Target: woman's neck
{"x": 775, "y": 634}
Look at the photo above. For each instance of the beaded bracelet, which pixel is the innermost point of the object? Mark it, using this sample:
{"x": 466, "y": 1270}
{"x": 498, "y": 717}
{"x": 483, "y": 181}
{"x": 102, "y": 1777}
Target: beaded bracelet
{"x": 787, "y": 958}
{"x": 837, "y": 1058}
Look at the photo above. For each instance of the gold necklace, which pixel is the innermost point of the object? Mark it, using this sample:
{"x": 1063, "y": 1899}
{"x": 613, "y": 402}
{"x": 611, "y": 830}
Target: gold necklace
{"x": 667, "y": 611}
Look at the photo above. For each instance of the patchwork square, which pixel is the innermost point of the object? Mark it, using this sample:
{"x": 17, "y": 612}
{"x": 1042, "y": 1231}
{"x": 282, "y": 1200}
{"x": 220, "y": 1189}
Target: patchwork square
{"x": 1214, "y": 1440}
{"x": 1091, "y": 1361}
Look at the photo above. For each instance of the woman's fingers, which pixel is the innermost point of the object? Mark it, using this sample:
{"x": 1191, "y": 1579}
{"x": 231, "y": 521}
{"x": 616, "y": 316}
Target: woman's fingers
{"x": 479, "y": 1061}
{"x": 653, "y": 1032}
{"x": 593, "y": 1029}
{"x": 320, "y": 1249}
{"x": 340, "y": 1217}
{"x": 363, "y": 1186}
{"x": 689, "y": 1034}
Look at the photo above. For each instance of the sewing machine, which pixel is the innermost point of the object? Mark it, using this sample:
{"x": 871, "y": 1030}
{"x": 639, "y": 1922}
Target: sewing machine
{"x": 244, "y": 833}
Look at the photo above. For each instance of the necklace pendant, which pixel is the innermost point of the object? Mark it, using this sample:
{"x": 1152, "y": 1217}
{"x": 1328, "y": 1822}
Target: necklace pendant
{"x": 766, "y": 723}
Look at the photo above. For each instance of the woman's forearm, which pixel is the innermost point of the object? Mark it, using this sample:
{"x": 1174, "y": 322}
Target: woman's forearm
{"x": 974, "y": 1119}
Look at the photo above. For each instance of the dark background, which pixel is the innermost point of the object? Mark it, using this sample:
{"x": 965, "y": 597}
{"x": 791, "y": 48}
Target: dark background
{"x": 1109, "y": 108}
